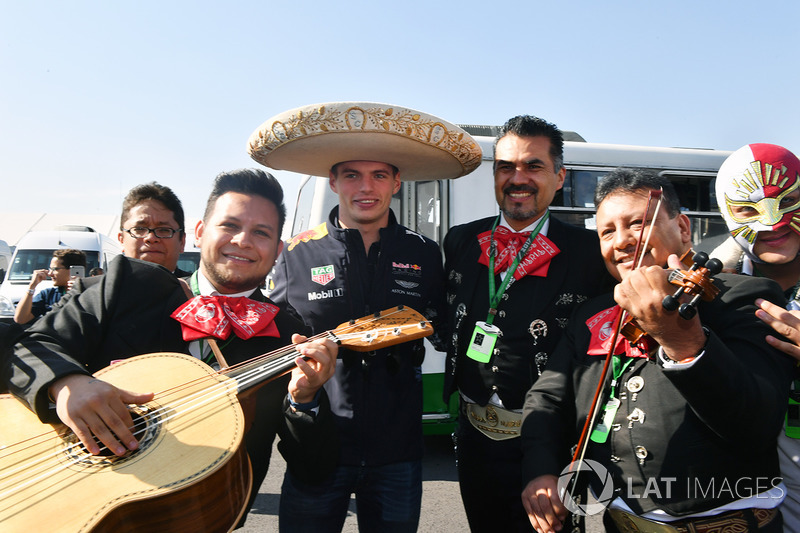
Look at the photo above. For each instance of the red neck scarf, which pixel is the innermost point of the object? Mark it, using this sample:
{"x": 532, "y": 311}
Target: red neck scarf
{"x": 217, "y": 316}
{"x": 601, "y": 326}
{"x": 535, "y": 263}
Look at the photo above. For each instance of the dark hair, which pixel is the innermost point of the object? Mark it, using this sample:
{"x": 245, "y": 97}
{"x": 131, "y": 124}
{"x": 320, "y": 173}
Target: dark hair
{"x": 152, "y": 191}
{"x": 395, "y": 170}
{"x": 638, "y": 179}
{"x": 252, "y": 182}
{"x": 70, "y": 257}
{"x": 96, "y": 271}
{"x": 530, "y": 126}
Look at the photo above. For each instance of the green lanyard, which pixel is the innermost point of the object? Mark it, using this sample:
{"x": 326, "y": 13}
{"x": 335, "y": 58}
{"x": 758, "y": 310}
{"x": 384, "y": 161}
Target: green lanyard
{"x": 617, "y": 369}
{"x": 496, "y": 296}
{"x": 604, "y": 427}
{"x": 194, "y": 284}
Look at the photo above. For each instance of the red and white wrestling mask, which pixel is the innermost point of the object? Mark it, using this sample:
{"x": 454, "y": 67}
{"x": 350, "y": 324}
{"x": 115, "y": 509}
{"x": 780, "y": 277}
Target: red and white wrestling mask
{"x": 755, "y": 187}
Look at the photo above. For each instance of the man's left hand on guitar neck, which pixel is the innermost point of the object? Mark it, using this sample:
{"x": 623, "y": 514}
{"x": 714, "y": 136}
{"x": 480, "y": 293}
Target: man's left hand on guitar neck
{"x": 315, "y": 366}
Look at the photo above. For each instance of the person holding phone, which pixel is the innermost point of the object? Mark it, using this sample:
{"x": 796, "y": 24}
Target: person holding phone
{"x": 31, "y": 307}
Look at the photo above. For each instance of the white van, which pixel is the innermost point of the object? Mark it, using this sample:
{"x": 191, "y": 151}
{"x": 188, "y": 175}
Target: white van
{"x": 433, "y": 207}
{"x": 35, "y": 250}
{"x": 5, "y": 259}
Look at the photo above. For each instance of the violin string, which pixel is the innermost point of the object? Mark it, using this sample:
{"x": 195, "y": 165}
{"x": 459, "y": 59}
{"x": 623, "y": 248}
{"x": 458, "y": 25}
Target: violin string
{"x": 252, "y": 375}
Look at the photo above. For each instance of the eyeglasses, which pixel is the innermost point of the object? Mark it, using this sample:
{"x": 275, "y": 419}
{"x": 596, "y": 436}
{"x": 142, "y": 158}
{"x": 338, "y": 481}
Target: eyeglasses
{"x": 161, "y": 233}
{"x": 59, "y": 268}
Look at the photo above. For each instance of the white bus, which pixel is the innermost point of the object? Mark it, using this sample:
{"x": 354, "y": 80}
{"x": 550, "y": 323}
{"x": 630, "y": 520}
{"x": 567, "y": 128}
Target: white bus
{"x": 433, "y": 207}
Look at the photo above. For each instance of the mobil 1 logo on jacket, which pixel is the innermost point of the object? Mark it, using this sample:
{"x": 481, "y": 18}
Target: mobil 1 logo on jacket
{"x": 322, "y": 275}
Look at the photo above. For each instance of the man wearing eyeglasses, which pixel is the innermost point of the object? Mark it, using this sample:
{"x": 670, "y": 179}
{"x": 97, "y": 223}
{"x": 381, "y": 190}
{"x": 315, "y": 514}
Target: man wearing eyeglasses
{"x": 151, "y": 226}
{"x": 31, "y": 307}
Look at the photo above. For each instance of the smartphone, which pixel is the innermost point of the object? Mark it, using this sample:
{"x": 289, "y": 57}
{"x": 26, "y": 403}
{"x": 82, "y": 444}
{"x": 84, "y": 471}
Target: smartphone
{"x": 77, "y": 271}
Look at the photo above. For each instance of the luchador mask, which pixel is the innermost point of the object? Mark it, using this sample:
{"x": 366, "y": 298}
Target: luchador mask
{"x": 754, "y": 192}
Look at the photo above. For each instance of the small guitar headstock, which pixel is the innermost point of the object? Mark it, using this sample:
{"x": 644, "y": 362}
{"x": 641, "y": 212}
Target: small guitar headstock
{"x": 385, "y": 328}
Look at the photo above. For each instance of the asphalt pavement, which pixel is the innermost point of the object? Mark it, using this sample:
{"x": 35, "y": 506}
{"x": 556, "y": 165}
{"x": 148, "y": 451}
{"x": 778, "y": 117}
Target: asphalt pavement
{"x": 441, "y": 503}
{"x": 442, "y": 511}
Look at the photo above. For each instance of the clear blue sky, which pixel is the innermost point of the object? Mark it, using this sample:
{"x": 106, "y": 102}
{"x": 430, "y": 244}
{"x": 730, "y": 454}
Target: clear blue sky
{"x": 97, "y": 97}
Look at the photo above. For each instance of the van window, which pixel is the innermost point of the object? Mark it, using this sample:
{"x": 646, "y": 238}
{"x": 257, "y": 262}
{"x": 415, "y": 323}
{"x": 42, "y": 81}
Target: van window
{"x": 26, "y": 261}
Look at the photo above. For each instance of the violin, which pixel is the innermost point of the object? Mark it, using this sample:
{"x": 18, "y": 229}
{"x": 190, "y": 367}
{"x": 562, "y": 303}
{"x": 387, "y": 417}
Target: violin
{"x": 697, "y": 281}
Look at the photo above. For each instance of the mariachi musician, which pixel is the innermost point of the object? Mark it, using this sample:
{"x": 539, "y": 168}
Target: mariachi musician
{"x": 685, "y": 435}
{"x": 512, "y": 282}
{"x": 132, "y": 311}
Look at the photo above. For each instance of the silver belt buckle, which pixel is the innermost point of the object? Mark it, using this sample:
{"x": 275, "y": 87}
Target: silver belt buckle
{"x": 494, "y": 422}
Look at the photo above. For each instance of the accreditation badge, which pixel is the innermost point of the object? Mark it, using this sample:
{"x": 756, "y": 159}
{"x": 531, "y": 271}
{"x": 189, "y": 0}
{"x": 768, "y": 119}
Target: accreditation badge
{"x": 603, "y": 428}
{"x": 482, "y": 343}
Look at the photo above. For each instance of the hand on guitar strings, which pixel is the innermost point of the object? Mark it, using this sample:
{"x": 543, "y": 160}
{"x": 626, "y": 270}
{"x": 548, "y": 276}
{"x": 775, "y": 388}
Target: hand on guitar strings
{"x": 93, "y": 408}
{"x": 784, "y": 322}
{"x": 641, "y": 294}
{"x": 315, "y": 366}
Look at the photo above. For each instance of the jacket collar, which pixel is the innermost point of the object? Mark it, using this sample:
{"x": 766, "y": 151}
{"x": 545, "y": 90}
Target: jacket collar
{"x": 340, "y": 233}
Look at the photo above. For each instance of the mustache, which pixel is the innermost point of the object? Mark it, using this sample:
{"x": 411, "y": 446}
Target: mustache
{"x": 520, "y": 188}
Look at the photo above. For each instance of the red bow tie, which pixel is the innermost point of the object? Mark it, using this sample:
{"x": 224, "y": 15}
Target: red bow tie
{"x": 508, "y": 243}
{"x": 217, "y": 316}
{"x": 601, "y": 327}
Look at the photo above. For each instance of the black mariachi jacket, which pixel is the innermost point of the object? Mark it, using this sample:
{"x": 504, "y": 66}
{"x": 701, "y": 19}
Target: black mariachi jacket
{"x": 532, "y": 315}
{"x": 325, "y": 277}
{"x": 708, "y": 432}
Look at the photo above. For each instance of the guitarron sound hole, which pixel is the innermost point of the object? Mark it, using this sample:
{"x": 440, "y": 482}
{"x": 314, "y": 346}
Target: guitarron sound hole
{"x": 145, "y": 428}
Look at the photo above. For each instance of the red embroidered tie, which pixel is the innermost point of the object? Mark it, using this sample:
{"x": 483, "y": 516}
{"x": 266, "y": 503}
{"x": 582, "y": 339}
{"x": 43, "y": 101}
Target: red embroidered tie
{"x": 509, "y": 243}
{"x": 601, "y": 326}
{"x": 217, "y": 316}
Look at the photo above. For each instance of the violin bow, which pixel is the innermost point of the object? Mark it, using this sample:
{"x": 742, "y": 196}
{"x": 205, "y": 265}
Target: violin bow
{"x": 638, "y": 256}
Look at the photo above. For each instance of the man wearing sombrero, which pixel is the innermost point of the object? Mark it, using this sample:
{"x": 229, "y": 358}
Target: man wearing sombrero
{"x": 358, "y": 262}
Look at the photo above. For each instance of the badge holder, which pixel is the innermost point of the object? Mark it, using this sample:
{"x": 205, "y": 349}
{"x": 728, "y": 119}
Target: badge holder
{"x": 482, "y": 343}
{"x": 601, "y": 431}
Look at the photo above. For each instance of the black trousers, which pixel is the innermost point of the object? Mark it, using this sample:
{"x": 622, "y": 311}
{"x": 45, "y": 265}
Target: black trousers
{"x": 490, "y": 479}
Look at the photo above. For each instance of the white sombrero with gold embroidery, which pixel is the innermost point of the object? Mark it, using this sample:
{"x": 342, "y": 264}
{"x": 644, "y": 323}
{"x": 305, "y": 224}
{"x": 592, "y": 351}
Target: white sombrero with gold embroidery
{"x": 311, "y": 139}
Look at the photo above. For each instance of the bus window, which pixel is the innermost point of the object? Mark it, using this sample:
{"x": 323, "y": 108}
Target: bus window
{"x": 418, "y": 206}
{"x": 584, "y": 182}
{"x": 428, "y": 200}
{"x": 694, "y": 190}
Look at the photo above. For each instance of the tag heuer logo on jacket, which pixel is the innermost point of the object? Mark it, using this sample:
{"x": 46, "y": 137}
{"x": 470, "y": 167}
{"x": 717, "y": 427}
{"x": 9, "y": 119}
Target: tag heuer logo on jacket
{"x": 323, "y": 274}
